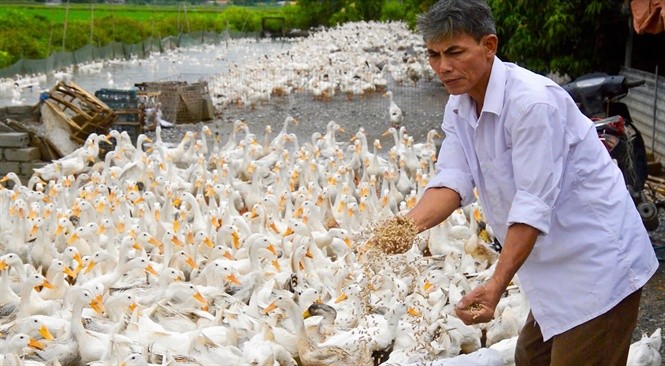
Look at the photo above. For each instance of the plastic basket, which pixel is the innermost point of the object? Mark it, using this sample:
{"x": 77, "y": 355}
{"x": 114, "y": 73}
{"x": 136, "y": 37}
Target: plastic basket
{"x": 120, "y": 104}
{"x": 120, "y": 95}
{"x": 130, "y": 115}
{"x": 133, "y": 129}
{"x": 119, "y": 98}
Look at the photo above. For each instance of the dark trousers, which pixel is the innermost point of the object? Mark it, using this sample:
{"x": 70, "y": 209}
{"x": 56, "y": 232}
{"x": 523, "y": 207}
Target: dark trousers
{"x": 602, "y": 341}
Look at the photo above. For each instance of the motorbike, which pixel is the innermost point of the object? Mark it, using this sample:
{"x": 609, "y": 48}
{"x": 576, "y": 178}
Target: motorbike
{"x": 598, "y": 96}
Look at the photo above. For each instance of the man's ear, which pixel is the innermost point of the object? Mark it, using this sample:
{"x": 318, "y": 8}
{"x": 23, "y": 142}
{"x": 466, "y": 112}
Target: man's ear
{"x": 491, "y": 43}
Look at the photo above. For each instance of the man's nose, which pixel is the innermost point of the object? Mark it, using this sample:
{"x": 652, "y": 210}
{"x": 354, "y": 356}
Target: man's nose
{"x": 442, "y": 66}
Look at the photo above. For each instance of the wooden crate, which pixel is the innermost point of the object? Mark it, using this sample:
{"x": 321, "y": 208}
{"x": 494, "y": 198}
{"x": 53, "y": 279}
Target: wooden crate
{"x": 82, "y": 112}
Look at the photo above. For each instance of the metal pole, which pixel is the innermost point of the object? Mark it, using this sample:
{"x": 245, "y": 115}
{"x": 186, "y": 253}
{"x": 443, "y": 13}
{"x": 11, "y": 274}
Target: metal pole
{"x": 655, "y": 111}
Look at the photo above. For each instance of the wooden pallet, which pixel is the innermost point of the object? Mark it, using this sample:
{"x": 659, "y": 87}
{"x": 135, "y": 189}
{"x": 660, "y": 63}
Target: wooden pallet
{"x": 82, "y": 111}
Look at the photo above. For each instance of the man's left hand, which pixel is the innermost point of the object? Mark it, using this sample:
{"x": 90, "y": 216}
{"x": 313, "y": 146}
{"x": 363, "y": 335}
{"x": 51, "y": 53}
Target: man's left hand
{"x": 478, "y": 305}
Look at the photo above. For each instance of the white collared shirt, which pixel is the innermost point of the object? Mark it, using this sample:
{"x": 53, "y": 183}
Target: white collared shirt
{"x": 536, "y": 159}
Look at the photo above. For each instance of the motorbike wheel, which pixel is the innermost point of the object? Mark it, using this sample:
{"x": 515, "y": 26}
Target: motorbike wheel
{"x": 649, "y": 213}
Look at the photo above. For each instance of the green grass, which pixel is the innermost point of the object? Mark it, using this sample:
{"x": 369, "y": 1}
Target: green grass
{"x": 82, "y": 12}
{"x": 35, "y": 31}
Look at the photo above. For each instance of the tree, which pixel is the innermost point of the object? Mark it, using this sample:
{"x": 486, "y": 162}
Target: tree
{"x": 570, "y": 37}
{"x": 319, "y": 12}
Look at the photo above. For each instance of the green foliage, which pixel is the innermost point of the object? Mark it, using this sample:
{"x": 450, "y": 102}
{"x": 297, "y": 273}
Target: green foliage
{"x": 348, "y": 13}
{"x": 369, "y": 9}
{"x": 114, "y": 29}
{"x": 294, "y": 17}
{"x": 320, "y": 12}
{"x": 240, "y": 19}
{"x": 16, "y": 42}
{"x": 393, "y": 10}
{"x": 413, "y": 8}
{"x": 565, "y": 36}
{"x": 5, "y": 58}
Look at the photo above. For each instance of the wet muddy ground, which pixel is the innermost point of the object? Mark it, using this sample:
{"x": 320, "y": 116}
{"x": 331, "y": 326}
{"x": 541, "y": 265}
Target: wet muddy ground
{"x": 422, "y": 105}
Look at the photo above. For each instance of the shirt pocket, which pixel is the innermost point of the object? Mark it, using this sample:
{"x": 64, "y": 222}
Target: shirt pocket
{"x": 500, "y": 185}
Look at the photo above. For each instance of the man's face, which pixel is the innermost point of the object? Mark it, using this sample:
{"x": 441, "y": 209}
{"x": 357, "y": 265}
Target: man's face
{"x": 462, "y": 64}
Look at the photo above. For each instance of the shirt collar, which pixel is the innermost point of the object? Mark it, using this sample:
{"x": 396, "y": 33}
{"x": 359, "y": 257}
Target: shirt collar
{"x": 496, "y": 88}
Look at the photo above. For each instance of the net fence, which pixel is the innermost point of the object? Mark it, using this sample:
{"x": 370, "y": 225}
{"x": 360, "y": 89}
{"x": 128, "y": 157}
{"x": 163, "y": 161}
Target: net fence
{"x": 116, "y": 50}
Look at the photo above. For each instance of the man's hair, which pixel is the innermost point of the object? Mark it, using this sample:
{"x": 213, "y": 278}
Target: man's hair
{"x": 449, "y": 18}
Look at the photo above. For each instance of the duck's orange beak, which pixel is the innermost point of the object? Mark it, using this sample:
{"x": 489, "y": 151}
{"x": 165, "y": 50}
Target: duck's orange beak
{"x": 341, "y": 297}
{"x": 89, "y": 268}
{"x": 97, "y": 305}
{"x": 233, "y": 278}
{"x": 272, "y": 306}
{"x": 33, "y": 343}
{"x": 151, "y": 270}
{"x": 44, "y": 332}
{"x": 48, "y": 284}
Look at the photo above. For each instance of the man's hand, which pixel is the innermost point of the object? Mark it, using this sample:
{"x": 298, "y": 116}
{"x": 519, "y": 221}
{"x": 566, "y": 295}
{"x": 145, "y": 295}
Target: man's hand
{"x": 478, "y": 305}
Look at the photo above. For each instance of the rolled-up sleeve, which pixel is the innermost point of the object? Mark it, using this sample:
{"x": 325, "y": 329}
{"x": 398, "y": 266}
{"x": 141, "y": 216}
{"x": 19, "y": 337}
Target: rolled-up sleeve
{"x": 452, "y": 168}
{"x": 539, "y": 149}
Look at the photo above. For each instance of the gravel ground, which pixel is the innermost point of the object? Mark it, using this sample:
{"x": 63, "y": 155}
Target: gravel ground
{"x": 422, "y": 105}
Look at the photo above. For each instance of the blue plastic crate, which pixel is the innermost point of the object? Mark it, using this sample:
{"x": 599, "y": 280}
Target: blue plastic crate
{"x": 133, "y": 129}
{"x": 120, "y": 104}
{"x": 128, "y": 117}
{"x": 120, "y": 95}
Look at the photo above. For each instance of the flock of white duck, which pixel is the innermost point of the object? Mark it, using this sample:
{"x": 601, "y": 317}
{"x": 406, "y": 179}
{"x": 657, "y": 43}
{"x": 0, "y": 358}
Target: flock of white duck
{"x": 242, "y": 252}
{"x": 352, "y": 60}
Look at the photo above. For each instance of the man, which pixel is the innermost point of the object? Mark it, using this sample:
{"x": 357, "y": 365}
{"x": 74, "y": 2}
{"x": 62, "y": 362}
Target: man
{"x": 549, "y": 189}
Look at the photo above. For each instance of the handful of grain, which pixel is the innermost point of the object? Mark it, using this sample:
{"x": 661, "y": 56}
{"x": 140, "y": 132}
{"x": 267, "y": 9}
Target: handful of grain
{"x": 393, "y": 236}
{"x": 475, "y": 307}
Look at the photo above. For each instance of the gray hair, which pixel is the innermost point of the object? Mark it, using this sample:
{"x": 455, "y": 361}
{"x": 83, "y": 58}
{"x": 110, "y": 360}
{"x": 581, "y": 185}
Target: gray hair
{"x": 449, "y": 18}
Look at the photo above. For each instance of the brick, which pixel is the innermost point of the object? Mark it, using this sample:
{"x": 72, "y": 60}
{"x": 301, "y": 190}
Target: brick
{"x": 14, "y": 139}
{"x": 23, "y": 154}
{"x": 5, "y": 128}
{"x": 9, "y": 166}
{"x": 28, "y": 168}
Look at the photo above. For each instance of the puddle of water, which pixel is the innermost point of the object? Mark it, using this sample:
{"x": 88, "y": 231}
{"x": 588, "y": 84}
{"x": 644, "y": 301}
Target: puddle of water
{"x": 192, "y": 64}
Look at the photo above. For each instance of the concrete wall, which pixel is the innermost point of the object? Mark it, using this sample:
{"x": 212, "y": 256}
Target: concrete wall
{"x": 16, "y": 154}
{"x": 20, "y": 113}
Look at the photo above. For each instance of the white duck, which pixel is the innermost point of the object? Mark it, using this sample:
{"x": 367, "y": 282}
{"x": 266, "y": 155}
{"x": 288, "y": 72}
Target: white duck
{"x": 30, "y": 302}
{"x": 395, "y": 112}
{"x": 79, "y": 345}
{"x": 309, "y": 352}
{"x": 16, "y": 346}
{"x": 34, "y": 326}
{"x": 646, "y": 351}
